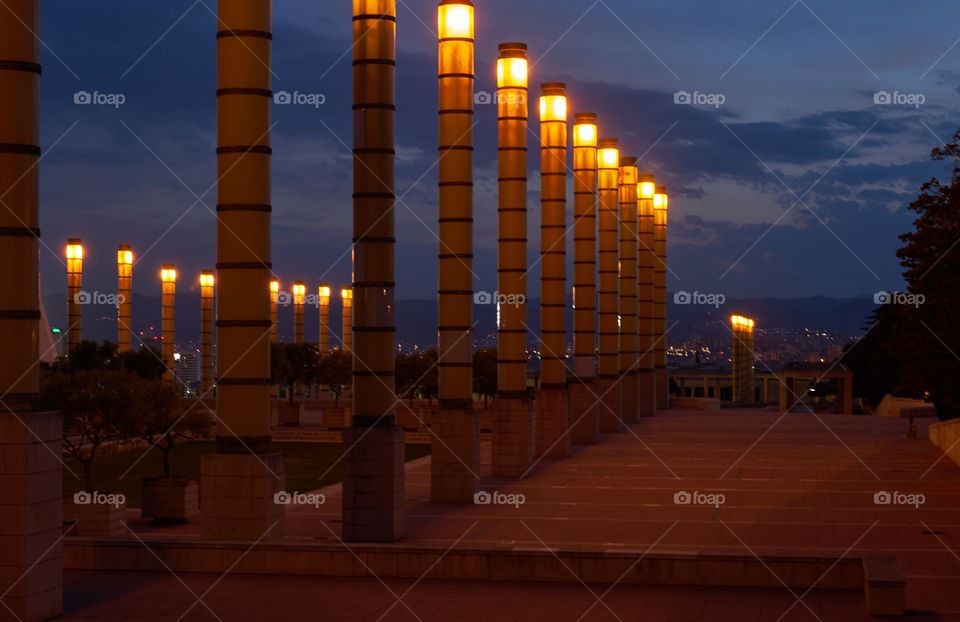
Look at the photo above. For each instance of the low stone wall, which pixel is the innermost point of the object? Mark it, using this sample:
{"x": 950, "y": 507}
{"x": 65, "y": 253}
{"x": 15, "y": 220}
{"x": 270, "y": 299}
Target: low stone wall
{"x": 946, "y": 436}
{"x": 469, "y": 564}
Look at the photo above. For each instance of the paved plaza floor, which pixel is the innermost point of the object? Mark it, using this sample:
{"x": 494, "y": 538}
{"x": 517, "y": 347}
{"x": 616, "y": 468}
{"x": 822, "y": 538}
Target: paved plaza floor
{"x": 758, "y": 483}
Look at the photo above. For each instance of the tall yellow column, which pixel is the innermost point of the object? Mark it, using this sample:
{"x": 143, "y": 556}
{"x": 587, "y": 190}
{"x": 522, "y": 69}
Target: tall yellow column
{"x": 628, "y": 290}
{"x": 346, "y": 299}
{"x": 513, "y": 418}
{"x": 584, "y": 409}
{"x": 646, "y": 325}
{"x": 373, "y": 506}
{"x": 31, "y": 576}
{"x": 206, "y": 332}
{"x": 455, "y": 457}
{"x": 660, "y": 290}
{"x": 75, "y": 299}
{"x": 168, "y": 284}
{"x": 742, "y": 358}
{"x": 274, "y": 311}
{"x": 553, "y": 409}
{"x": 299, "y": 299}
{"x": 608, "y": 161}
{"x": 124, "y": 296}
{"x": 243, "y": 508}
{"x": 274, "y": 324}
{"x": 323, "y": 298}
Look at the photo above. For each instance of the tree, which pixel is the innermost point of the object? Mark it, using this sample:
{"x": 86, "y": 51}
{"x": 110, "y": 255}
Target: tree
{"x": 163, "y": 418}
{"x": 927, "y": 340}
{"x": 485, "y": 373}
{"x": 336, "y": 371}
{"x": 876, "y": 371}
{"x": 96, "y": 405}
{"x": 294, "y": 363}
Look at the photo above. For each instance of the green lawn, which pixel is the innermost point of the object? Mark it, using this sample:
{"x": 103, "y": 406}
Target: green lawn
{"x": 305, "y": 463}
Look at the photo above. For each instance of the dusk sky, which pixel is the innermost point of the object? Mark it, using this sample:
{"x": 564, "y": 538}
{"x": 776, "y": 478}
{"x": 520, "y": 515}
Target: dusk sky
{"x": 796, "y": 185}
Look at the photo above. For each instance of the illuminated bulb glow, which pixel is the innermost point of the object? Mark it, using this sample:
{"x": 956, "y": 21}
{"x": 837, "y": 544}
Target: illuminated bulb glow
{"x": 585, "y": 135}
{"x": 168, "y": 275}
{"x": 125, "y": 257}
{"x": 74, "y": 251}
{"x": 511, "y": 72}
{"x": 553, "y": 108}
{"x": 206, "y": 280}
{"x": 659, "y": 201}
{"x": 325, "y": 292}
{"x": 609, "y": 158}
{"x": 275, "y": 286}
{"x": 647, "y": 189}
{"x": 346, "y": 293}
{"x": 455, "y": 21}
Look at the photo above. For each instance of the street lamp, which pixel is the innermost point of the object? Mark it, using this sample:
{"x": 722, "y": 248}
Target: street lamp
{"x": 206, "y": 331}
{"x": 660, "y": 201}
{"x": 168, "y": 280}
{"x": 75, "y": 297}
{"x": 646, "y": 310}
{"x": 274, "y": 315}
{"x": 299, "y": 299}
{"x": 628, "y": 289}
{"x": 346, "y": 296}
{"x": 324, "y": 303}
{"x": 124, "y": 296}
{"x": 455, "y": 440}
{"x": 552, "y": 438}
{"x": 511, "y": 448}
{"x": 608, "y": 161}
{"x": 583, "y": 404}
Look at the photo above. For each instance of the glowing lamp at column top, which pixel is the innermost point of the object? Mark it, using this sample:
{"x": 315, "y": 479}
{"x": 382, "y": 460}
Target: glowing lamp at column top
{"x": 275, "y": 287}
{"x": 455, "y": 20}
{"x": 299, "y": 293}
{"x": 206, "y": 279}
{"x": 124, "y": 255}
{"x": 512, "y": 68}
{"x": 168, "y": 274}
{"x": 660, "y": 199}
{"x": 553, "y": 102}
{"x": 74, "y": 249}
{"x": 346, "y": 293}
{"x": 608, "y": 156}
{"x": 646, "y": 189}
{"x": 324, "y": 292}
{"x": 585, "y": 130}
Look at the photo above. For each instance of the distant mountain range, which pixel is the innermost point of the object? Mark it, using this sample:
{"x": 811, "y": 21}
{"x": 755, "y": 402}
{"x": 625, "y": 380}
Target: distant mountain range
{"x": 417, "y": 319}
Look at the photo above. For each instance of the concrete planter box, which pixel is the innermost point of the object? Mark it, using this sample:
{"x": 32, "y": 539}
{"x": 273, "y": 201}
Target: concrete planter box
{"x": 170, "y": 498}
{"x": 334, "y": 417}
{"x": 289, "y": 414}
{"x": 97, "y": 519}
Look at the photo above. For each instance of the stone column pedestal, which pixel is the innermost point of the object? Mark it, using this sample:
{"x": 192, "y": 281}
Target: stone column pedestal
{"x": 512, "y": 437}
{"x": 31, "y": 558}
{"x": 454, "y": 456}
{"x": 373, "y": 484}
{"x": 237, "y": 493}
{"x": 584, "y": 412}
{"x": 628, "y": 398}
{"x": 663, "y": 388}
{"x": 608, "y": 390}
{"x": 646, "y": 393}
{"x": 552, "y": 423}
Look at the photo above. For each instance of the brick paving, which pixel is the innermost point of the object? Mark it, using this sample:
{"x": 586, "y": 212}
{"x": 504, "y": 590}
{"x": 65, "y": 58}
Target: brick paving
{"x": 803, "y": 484}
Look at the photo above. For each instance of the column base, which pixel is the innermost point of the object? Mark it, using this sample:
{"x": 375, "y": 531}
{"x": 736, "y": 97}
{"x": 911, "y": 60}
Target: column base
{"x": 512, "y": 437}
{"x": 628, "y": 398}
{"x": 608, "y": 391}
{"x": 374, "y": 495}
{"x": 584, "y": 412}
{"x": 552, "y": 423}
{"x": 238, "y": 496}
{"x": 31, "y": 524}
{"x": 454, "y": 456}
{"x": 663, "y": 388}
{"x": 646, "y": 393}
